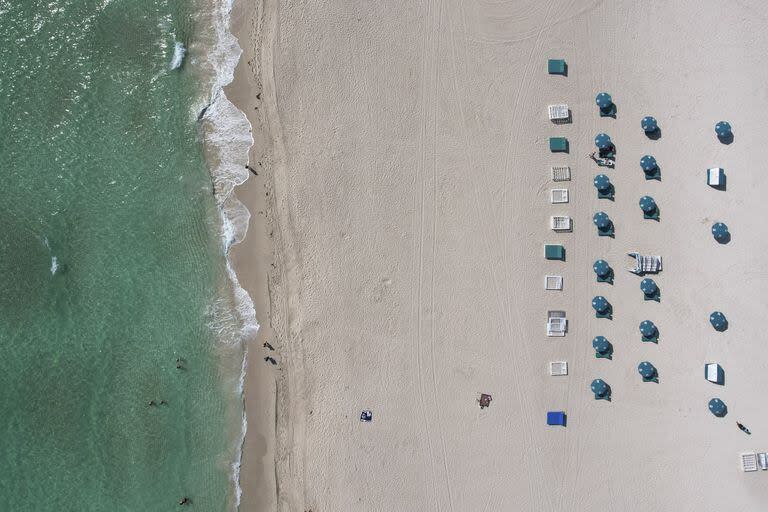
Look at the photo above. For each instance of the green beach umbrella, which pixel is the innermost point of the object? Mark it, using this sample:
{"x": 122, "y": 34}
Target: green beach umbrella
{"x": 717, "y": 407}
{"x": 648, "y": 286}
{"x": 603, "y": 100}
{"x": 647, "y": 328}
{"x": 603, "y": 141}
{"x": 602, "y": 183}
{"x": 647, "y": 204}
{"x": 600, "y": 304}
{"x": 647, "y": 370}
{"x": 723, "y": 129}
{"x": 601, "y": 268}
{"x": 720, "y": 231}
{"x": 601, "y": 220}
{"x": 599, "y": 388}
{"x": 601, "y": 345}
{"x": 648, "y": 163}
{"x": 649, "y": 124}
{"x": 718, "y": 320}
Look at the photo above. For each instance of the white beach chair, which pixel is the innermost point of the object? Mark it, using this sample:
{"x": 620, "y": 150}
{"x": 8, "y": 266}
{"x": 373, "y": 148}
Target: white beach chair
{"x": 557, "y": 368}
{"x": 560, "y": 223}
{"x": 553, "y": 282}
{"x": 556, "y": 323}
{"x": 561, "y": 173}
{"x": 559, "y": 113}
{"x": 762, "y": 460}
{"x": 558, "y": 195}
{"x": 749, "y": 461}
{"x": 645, "y": 264}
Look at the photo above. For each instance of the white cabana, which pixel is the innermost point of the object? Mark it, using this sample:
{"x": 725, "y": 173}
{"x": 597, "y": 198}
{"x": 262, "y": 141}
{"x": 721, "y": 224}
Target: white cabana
{"x": 559, "y": 113}
{"x": 556, "y": 323}
{"x": 553, "y": 282}
{"x": 558, "y": 368}
{"x": 561, "y": 173}
{"x": 713, "y": 373}
{"x": 558, "y": 195}
{"x": 560, "y": 223}
{"x": 715, "y": 177}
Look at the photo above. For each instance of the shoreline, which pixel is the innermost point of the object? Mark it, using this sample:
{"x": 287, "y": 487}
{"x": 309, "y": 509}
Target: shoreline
{"x": 252, "y": 260}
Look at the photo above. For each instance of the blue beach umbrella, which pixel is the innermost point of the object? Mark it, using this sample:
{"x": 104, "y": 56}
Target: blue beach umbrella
{"x": 603, "y": 100}
{"x": 649, "y": 124}
{"x": 717, "y": 407}
{"x": 648, "y": 286}
{"x": 601, "y": 268}
{"x": 647, "y": 204}
{"x": 603, "y": 141}
{"x": 720, "y": 231}
{"x": 601, "y": 220}
{"x": 602, "y": 183}
{"x": 599, "y": 388}
{"x": 648, "y": 163}
{"x": 600, "y": 304}
{"x": 647, "y": 328}
{"x": 723, "y": 129}
{"x": 647, "y": 370}
{"x": 718, "y": 320}
{"x": 601, "y": 345}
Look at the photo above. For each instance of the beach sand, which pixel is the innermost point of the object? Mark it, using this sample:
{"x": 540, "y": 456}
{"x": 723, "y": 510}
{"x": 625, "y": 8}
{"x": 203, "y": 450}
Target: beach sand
{"x": 406, "y": 190}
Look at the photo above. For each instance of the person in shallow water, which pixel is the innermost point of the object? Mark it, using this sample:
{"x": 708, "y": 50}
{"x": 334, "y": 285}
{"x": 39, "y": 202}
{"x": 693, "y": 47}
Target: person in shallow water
{"x": 184, "y": 501}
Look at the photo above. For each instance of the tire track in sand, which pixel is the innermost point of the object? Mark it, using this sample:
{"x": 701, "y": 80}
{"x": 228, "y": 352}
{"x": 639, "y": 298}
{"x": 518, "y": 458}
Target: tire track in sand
{"x": 427, "y": 108}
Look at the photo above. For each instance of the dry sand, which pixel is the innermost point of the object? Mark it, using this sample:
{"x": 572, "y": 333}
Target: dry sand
{"x": 406, "y": 158}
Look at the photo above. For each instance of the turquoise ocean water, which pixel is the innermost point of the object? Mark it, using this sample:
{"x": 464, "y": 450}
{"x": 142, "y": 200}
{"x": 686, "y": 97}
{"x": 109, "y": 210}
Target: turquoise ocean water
{"x": 111, "y": 264}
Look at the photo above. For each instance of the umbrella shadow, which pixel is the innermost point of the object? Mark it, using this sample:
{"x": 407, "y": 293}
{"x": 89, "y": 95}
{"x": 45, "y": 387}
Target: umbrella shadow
{"x": 723, "y": 240}
{"x": 726, "y": 139}
{"x": 655, "y": 134}
{"x": 609, "y": 112}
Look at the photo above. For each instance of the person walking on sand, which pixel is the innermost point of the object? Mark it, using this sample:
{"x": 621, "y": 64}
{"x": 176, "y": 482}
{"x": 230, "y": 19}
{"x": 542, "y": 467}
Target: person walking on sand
{"x": 743, "y": 428}
{"x": 270, "y": 359}
{"x": 267, "y": 345}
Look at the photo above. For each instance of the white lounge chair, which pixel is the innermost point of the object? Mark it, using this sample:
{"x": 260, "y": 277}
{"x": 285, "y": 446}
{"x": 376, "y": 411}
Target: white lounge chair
{"x": 557, "y": 368}
{"x": 645, "y": 264}
{"x": 556, "y": 323}
{"x": 560, "y": 223}
{"x": 749, "y": 461}
{"x": 553, "y": 282}
{"x": 762, "y": 460}
{"x": 558, "y": 195}
{"x": 561, "y": 173}
{"x": 559, "y": 113}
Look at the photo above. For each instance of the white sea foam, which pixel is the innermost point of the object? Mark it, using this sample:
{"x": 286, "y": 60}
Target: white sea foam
{"x": 178, "y": 55}
{"x": 243, "y": 430}
{"x": 228, "y": 140}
